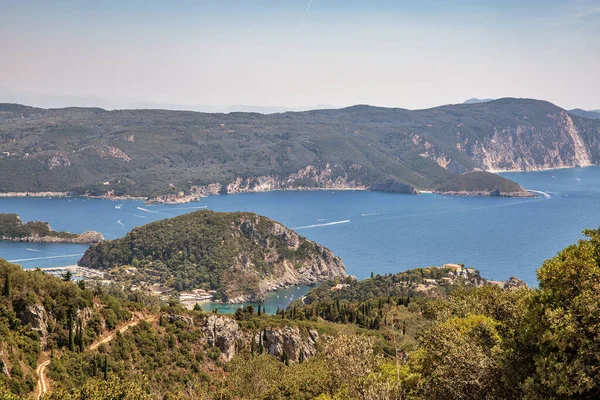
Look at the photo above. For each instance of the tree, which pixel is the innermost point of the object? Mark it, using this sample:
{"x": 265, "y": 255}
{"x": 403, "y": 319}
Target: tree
{"x": 70, "y": 326}
{"x": 67, "y": 276}
{"x": 563, "y": 325}
{"x": 462, "y": 359}
{"x": 6, "y": 291}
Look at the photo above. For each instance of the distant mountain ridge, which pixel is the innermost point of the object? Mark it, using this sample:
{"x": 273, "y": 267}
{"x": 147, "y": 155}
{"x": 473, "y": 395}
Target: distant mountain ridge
{"x": 477, "y": 101}
{"x": 173, "y": 154}
{"x": 593, "y": 114}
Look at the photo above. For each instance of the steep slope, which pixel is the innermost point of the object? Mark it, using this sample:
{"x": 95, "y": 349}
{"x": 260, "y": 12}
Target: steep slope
{"x": 177, "y": 153}
{"x": 241, "y": 255}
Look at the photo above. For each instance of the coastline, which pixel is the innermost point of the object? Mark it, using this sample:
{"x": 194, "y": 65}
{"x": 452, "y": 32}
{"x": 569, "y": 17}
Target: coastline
{"x": 174, "y": 199}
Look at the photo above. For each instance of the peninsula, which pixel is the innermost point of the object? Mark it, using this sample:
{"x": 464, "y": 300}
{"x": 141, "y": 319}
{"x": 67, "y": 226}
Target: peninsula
{"x": 240, "y": 256}
{"x": 12, "y": 228}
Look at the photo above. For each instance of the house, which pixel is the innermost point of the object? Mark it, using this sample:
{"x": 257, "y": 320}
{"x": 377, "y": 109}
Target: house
{"x": 453, "y": 267}
{"x": 340, "y": 286}
{"x": 430, "y": 282}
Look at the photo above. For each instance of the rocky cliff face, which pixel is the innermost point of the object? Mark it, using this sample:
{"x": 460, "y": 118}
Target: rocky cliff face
{"x": 319, "y": 263}
{"x": 280, "y": 341}
{"x": 36, "y": 316}
{"x": 556, "y": 140}
{"x": 311, "y": 177}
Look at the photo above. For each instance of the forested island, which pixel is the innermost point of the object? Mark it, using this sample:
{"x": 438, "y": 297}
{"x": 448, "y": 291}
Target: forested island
{"x": 370, "y": 339}
{"x": 12, "y": 228}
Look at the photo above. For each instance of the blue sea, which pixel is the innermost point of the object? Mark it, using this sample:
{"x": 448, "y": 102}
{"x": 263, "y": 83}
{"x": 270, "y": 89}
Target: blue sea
{"x": 372, "y": 232}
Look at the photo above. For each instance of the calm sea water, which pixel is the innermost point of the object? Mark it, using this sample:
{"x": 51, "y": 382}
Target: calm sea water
{"x": 372, "y": 232}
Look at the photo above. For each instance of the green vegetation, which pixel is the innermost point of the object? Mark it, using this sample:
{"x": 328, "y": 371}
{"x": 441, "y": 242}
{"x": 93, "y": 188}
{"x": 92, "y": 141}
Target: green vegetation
{"x": 466, "y": 342}
{"x": 41, "y": 313}
{"x": 143, "y": 152}
{"x": 480, "y": 181}
{"x": 228, "y": 252}
{"x": 12, "y": 227}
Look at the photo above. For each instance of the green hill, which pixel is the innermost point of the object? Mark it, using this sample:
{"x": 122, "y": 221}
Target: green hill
{"x": 158, "y": 152}
{"x": 241, "y": 255}
{"x": 481, "y": 181}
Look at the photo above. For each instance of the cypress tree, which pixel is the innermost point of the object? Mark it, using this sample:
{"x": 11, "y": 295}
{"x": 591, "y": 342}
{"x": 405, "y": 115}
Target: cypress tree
{"x": 6, "y": 290}
{"x": 80, "y": 339}
{"x": 71, "y": 338}
{"x": 105, "y": 368}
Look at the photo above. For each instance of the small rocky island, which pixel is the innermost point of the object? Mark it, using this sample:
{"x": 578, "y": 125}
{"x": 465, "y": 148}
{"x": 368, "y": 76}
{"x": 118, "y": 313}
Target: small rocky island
{"x": 233, "y": 257}
{"x": 12, "y": 228}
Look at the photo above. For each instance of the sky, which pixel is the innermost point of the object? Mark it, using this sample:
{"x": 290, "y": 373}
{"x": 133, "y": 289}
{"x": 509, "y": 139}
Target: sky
{"x": 298, "y": 54}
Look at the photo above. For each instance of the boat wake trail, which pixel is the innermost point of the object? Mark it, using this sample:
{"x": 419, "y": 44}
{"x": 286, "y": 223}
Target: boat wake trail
{"x": 28, "y": 249}
{"x": 47, "y": 258}
{"x": 118, "y": 207}
{"x": 545, "y": 194}
{"x": 369, "y": 214}
{"x": 120, "y": 223}
{"x": 184, "y": 208}
{"x": 326, "y": 224}
{"x": 139, "y": 216}
{"x": 150, "y": 211}
{"x": 322, "y": 219}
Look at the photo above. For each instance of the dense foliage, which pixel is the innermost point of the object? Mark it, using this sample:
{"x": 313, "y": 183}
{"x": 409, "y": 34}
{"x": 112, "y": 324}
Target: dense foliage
{"x": 480, "y": 181}
{"x": 41, "y": 314}
{"x": 142, "y": 152}
{"x": 228, "y": 252}
{"x": 406, "y": 283}
{"x": 469, "y": 343}
{"x": 12, "y": 227}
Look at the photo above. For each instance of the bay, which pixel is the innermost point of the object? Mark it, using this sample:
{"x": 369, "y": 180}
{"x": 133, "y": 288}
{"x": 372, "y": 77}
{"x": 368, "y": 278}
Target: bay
{"x": 372, "y": 232}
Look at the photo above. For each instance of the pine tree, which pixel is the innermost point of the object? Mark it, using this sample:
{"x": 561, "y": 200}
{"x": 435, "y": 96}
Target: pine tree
{"x": 371, "y": 274}
{"x": 301, "y": 358}
{"x": 259, "y": 311}
{"x": 67, "y": 276}
{"x": 6, "y": 290}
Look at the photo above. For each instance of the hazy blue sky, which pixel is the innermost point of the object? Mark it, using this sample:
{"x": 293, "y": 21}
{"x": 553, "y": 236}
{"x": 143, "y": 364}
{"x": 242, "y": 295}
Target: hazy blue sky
{"x": 411, "y": 54}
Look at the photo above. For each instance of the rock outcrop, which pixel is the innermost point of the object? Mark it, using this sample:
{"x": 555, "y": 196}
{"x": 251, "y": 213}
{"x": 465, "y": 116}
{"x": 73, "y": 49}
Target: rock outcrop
{"x": 224, "y": 333}
{"x": 288, "y": 342}
{"x": 36, "y": 316}
{"x": 4, "y": 368}
{"x": 279, "y": 341}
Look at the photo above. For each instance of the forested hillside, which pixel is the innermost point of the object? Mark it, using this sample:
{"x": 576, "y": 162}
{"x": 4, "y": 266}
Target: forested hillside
{"x": 157, "y": 152}
{"x": 474, "y": 340}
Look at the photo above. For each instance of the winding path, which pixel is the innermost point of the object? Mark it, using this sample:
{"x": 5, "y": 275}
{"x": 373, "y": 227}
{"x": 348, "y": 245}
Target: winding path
{"x": 41, "y": 368}
{"x": 41, "y": 379}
